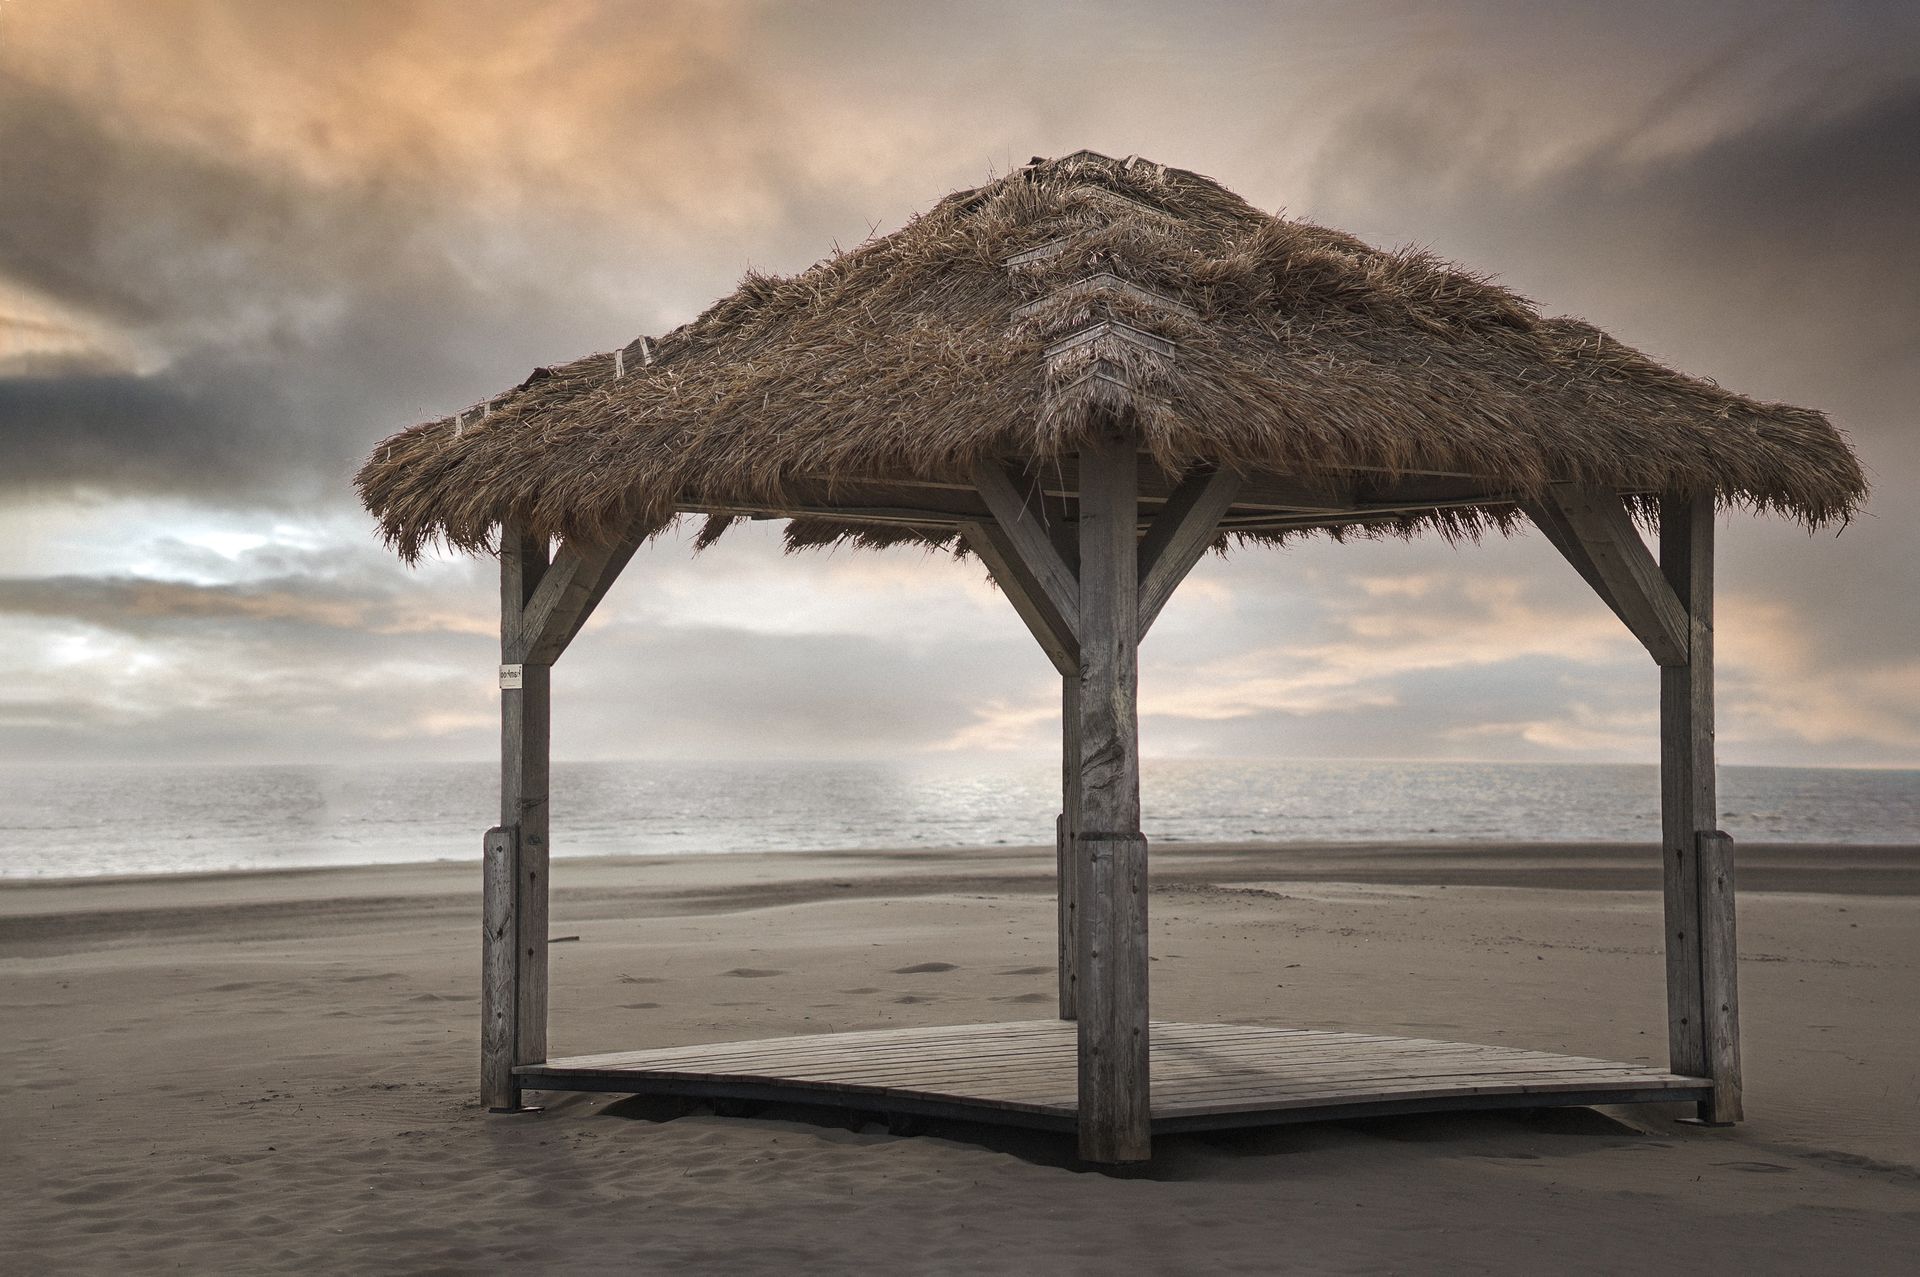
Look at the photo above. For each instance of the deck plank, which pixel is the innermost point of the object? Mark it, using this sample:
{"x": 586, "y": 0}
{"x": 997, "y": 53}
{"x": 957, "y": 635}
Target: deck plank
{"x": 961, "y": 1070}
{"x": 1299, "y": 1065}
{"x": 1025, "y": 1072}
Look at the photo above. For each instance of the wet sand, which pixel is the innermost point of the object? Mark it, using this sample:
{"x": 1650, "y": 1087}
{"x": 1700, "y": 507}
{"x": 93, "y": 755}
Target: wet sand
{"x": 274, "y": 1071}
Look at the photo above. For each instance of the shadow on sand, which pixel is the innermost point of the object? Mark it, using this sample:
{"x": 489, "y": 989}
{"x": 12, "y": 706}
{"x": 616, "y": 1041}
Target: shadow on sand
{"x": 1523, "y": 1134}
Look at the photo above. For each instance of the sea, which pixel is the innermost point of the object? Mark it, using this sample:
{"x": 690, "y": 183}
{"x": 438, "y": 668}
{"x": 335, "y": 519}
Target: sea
{"x": 84, "y": 821}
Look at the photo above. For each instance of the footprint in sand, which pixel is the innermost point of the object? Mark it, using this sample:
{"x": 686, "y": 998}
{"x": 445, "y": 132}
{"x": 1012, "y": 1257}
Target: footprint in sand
{"x": 925, "y": 968}
{"x": 911, "y": 999}
{"x": 92, "y": 1193}
{"x": 1023, "y": 997}
{"x": 642, "y": 979}
{"x": 1026, "y": 971}
{"x": 638, "y": 1006}
{"x": 752, "y": 973}
{"x": 867, "y": 989}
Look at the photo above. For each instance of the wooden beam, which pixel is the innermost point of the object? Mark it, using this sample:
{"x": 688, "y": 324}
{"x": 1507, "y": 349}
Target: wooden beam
{"x": 1631, "y": 581}
{"x": 900, "y": 502}
{"x": 1560, "y": 534}
{"x": 616, "y": 563}
{"x": 1180, "y": 534}
{"x": 499, "y": 1091}
{"x": 1274, "y": 494}
{"x": 1115, "y": 1104}
{"x": 1061, "y": 479}
{"x": 568, "y": 591}
{"x": 1022, "y": 518}
{"x": 1067, "y": 863}
{"x": 1315, "y": 493}
{"x": 893, "y": 515}
{"x": 1698, "y": 905}
{"x": 910, "y": 516}
{"x": 1050, "y": 627}
{"x": 1057, "y": 479}
{"x": 1687, "y": 803}
{"x": 1238, "y": 520}
{"x": 560, "y": 588}
{"x": 525, "y": 729}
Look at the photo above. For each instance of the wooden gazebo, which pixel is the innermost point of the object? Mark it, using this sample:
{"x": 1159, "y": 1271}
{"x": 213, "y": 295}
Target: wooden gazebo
{"x": 1087, "y": 373}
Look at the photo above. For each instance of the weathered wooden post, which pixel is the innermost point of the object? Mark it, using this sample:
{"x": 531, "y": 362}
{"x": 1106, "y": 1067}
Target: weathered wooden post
{"x": 1067, "y": 874}
{"x": 1703, "y": 1009}
{"x": 1115, "y": 1107}
{"x": 525, "y": 728}
{"x": 498, "y": 943}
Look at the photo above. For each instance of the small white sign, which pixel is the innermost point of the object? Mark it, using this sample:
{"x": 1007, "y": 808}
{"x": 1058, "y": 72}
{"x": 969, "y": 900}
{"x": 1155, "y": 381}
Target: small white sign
{"x": 510, "y": 676}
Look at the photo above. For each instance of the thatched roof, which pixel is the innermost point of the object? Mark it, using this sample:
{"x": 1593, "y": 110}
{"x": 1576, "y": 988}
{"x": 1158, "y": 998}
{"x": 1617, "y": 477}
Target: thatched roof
{"x": 1008, "y": 322}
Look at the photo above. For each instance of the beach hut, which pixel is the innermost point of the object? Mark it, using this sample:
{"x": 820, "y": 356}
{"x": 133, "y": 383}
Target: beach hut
{"x": 1088, "y": 373}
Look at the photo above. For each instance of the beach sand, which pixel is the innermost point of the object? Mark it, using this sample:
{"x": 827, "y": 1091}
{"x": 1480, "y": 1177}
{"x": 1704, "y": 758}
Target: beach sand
{"x": 274, "y": 1072}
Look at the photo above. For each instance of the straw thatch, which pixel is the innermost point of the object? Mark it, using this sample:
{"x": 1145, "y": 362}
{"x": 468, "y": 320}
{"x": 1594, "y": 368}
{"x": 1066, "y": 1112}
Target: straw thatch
{"x": 1012, "y": 320}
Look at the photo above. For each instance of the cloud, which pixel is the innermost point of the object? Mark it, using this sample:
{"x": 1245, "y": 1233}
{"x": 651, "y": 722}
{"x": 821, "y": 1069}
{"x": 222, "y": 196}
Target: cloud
{"x": 1778, "y": 683}
{"x": 246, "y": 292}
{"x": 258, "y": 237}
{"x": 141, "y": 606}
{"x": 301, "y": 229}
{"x": 1765, "y": 244}
{"x": 1445, "y": 661}
{"x": 248, "y": 201}
{"x": 1775, "y": 253}
{"x": 329, "y": 650}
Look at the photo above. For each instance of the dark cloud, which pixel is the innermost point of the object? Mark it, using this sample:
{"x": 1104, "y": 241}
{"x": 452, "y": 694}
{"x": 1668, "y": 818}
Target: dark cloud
{"x": 290, "y": 322}
{"x": 275, "y": 310}
{"x": 144, "y": 606}
{"x": 1778, "y": 254}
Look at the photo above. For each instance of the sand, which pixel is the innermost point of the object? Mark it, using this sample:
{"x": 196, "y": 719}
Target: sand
{"x": 274, "y": 1072}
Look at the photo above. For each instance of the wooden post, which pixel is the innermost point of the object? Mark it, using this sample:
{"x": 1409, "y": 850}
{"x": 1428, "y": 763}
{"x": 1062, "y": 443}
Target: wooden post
{"x": 1115, "y": 1110}
{"x": 1067, "y": 864}
{"x": 498, "y": 1090}
{"x": 525, "y": 726}
{"x": 1720, "y": 975}
{"x": 1702, "y": 998}
{"x": 543, "y": 604}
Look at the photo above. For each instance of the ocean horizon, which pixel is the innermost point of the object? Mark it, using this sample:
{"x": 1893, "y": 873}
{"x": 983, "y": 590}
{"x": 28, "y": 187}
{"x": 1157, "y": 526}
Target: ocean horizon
{"x": 90, "y": 820}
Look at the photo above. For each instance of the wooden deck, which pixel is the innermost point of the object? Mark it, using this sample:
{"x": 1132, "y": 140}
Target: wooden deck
{"x": 1205, "y": 1076}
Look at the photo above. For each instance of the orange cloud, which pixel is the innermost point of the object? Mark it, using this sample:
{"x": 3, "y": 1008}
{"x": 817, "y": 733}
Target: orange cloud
{"x": 1775, "y": 683}
{"x": 1394, "y": 626}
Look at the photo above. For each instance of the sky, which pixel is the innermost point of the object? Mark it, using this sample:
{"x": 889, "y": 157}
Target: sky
{"x": 242, "y": 242}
